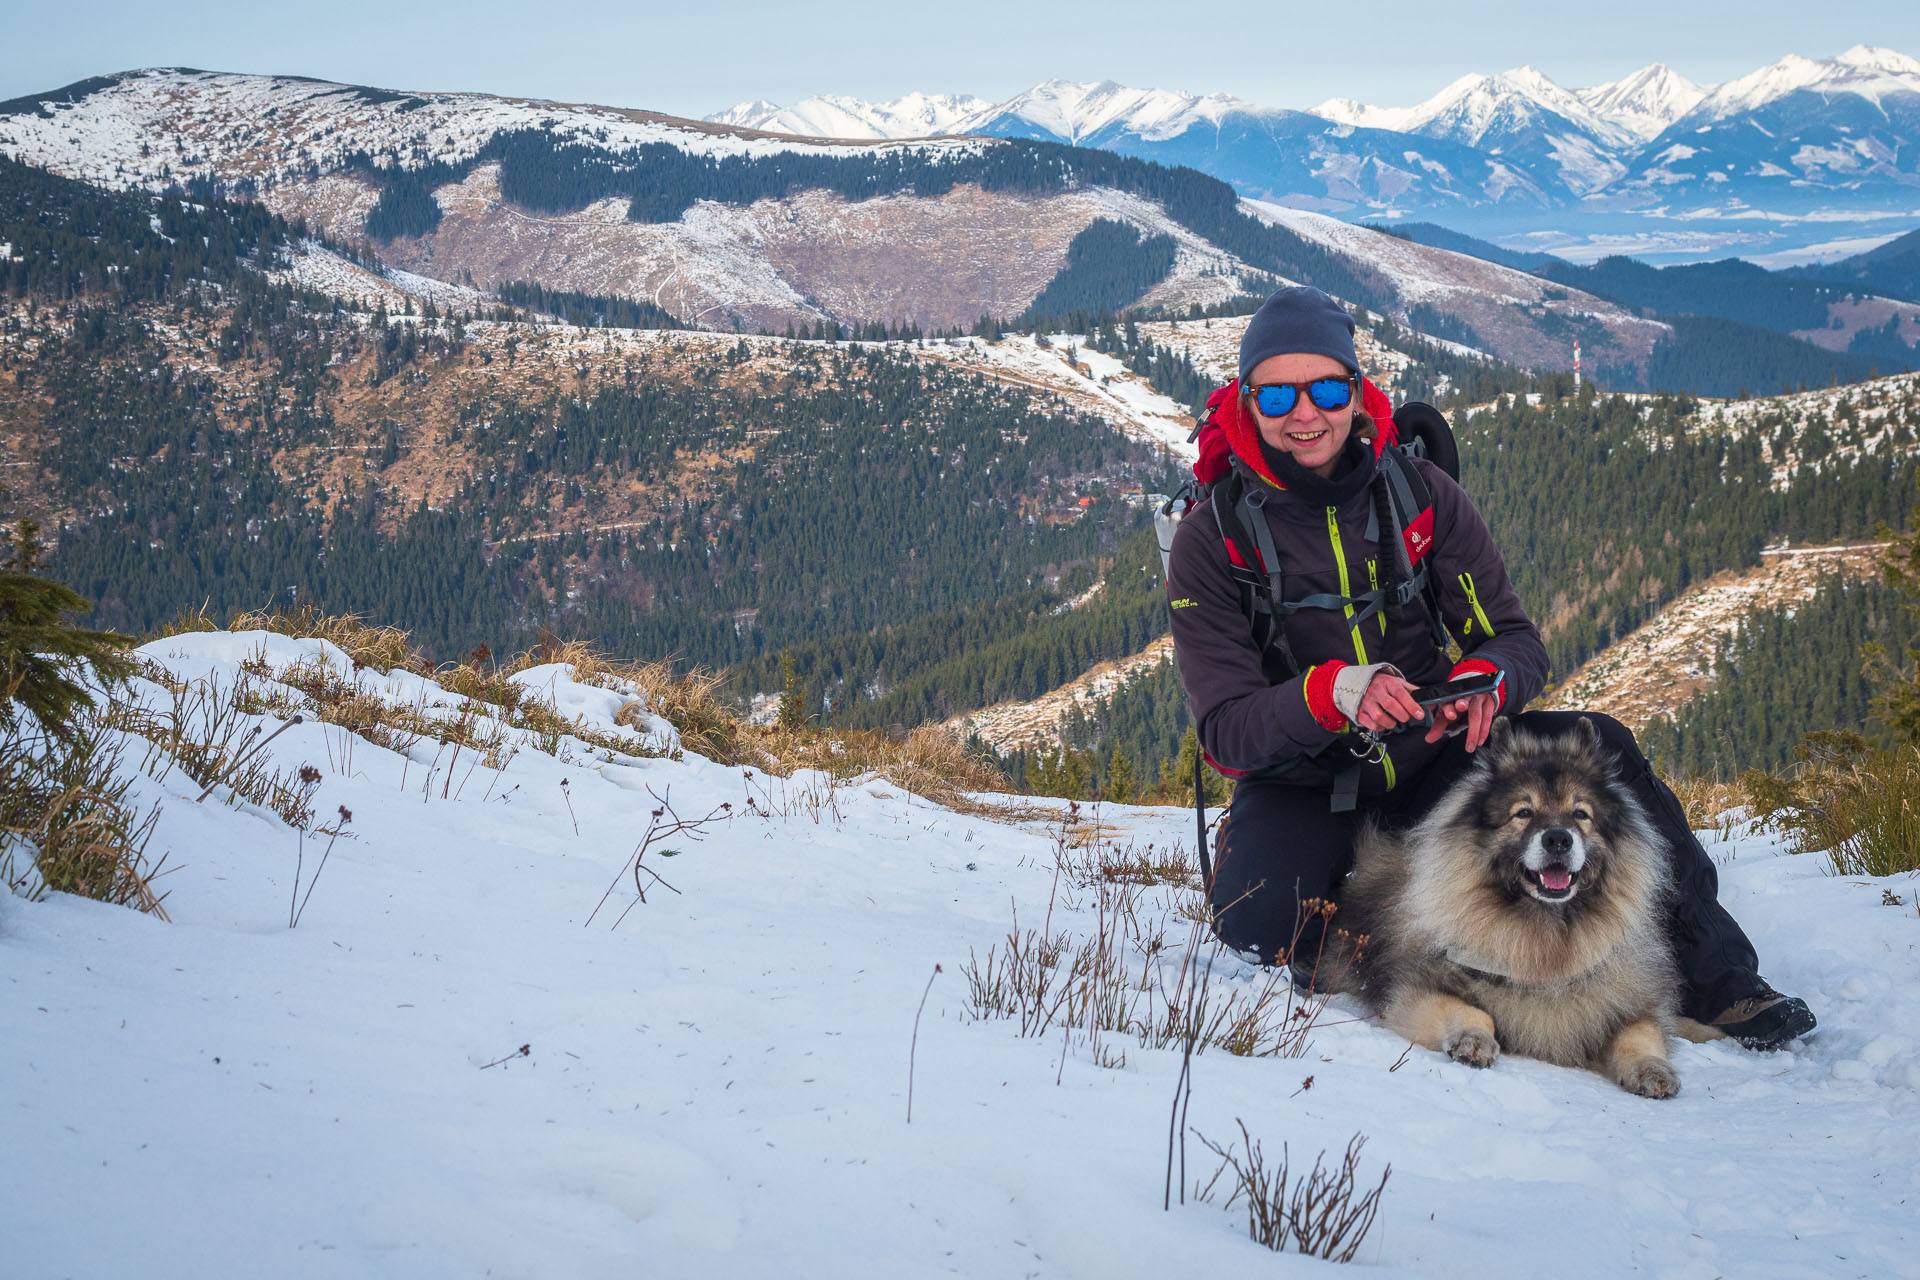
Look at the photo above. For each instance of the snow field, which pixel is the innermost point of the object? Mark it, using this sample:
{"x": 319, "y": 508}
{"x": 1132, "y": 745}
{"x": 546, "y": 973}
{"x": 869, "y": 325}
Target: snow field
{"x": 717, "y": 1086}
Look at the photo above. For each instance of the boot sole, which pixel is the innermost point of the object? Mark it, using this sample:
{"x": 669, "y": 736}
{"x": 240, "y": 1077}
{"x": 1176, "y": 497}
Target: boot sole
{"x": 1775, "y": 1026}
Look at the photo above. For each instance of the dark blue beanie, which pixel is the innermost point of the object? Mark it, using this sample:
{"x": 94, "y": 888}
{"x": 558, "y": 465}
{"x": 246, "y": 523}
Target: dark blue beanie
{"x": 1300, "y": 318}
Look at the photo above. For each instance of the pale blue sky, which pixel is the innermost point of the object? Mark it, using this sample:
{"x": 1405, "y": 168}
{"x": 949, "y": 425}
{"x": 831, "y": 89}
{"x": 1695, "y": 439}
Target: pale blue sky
{"x": 693, "y": 59}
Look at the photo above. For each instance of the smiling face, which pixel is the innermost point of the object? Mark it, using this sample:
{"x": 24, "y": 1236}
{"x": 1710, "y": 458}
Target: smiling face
{"x": 1310, "y": 435}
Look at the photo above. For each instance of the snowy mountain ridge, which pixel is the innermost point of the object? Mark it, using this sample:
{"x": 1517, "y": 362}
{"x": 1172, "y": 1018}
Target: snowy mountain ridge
{"x": 914, "y": 115}
{"x": 1831, "y": 156}
{"x": 163, "y": 124}
{"x": 1623, "y": 112}
{"x": 1863, "y": 70}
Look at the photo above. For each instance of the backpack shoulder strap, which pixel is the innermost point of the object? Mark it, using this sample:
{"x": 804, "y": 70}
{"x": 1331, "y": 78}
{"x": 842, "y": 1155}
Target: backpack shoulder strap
{"x": 1253, "y": 562}
{"x": 1409, "y": 504}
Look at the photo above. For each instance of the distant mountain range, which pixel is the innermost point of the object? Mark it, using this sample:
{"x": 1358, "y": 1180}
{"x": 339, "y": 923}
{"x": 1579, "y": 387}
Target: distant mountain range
{"x": 1798, "y": 153}
{"x": 719, "y": 226}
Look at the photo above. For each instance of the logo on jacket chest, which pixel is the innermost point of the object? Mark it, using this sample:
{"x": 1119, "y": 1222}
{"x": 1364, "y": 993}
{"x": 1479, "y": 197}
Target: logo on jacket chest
{"x": 1419, "y": 536}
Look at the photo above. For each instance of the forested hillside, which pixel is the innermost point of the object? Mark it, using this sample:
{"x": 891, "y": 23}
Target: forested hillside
{"x": 918, "y": 535}
{"x": 714, "y": 499}
{"x": 1786, "y": 672}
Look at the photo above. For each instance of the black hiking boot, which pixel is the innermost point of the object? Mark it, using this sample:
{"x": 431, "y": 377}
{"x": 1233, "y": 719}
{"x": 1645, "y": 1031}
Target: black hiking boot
{"x": 1766, "y": 1021}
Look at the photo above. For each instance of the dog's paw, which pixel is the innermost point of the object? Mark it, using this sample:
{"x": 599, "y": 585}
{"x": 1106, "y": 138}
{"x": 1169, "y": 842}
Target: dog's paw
{"x": 1473, "y": 1046}
{"x": 1650, "y": 1078}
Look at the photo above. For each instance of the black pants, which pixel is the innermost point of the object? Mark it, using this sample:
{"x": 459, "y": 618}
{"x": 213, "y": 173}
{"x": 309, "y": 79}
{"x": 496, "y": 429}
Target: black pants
{"x": 1284, "y": 845}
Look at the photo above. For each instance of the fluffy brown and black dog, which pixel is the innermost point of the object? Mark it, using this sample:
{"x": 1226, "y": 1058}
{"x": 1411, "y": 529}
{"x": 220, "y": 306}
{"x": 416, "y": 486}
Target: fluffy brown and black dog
{"x": 1525, "y": 913}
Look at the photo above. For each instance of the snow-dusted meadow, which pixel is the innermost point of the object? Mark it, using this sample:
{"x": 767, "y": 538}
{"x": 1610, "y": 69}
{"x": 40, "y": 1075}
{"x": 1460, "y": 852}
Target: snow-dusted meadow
{"x": 717, "y": 1084}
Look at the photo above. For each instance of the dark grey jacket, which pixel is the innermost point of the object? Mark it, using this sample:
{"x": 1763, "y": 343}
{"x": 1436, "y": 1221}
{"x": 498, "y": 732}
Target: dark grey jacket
{"x": 1252, "y": 715}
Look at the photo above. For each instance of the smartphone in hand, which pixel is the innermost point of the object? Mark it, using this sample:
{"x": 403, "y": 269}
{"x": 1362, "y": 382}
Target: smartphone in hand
{"x": 1433, "y": 695}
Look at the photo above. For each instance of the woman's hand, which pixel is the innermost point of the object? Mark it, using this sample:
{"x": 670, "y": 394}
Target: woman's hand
{"x": 1387, "y": 704}
{"x": 1479, "y": 711}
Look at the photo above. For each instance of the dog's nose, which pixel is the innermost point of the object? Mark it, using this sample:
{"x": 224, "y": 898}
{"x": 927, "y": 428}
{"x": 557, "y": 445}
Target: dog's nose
{"x": 1557, "y": 840}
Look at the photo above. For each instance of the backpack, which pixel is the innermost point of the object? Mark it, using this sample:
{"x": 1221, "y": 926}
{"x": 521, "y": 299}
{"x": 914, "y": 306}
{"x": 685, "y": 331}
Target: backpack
{"x": 1401, "y": 501}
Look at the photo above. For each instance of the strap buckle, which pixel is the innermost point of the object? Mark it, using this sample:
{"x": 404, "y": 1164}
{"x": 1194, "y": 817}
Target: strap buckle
{"x": 1374, "y": 749}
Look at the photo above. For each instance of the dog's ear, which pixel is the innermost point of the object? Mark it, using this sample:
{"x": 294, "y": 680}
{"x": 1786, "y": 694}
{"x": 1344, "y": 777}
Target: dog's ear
{"x": 1588, "y": 733}
{"x": 1498, "y": 733}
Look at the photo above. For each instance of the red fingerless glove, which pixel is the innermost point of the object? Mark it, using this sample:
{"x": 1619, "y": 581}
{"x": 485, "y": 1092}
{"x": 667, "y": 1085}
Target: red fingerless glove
{"x": 1481, "y": 667}
{"x": 1319, "y": 691}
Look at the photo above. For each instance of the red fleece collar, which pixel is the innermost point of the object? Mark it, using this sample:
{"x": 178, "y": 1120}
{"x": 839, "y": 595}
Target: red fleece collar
{"x": 1243, "y": 438}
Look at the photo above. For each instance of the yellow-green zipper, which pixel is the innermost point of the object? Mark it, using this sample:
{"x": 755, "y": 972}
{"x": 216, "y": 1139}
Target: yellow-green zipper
{"x": 1466, "y": 584}
{"x": 1346, "y": 588}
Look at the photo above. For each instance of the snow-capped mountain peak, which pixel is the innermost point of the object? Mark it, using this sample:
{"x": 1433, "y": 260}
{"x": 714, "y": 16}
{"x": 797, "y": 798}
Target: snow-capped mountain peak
{"x": 1362, "y": 116}
{"x": 1864, "y": 70}
{"x": 1646, "y": 102}
{"x": 1473, "y": 106}
{"x": 1869, "y": 58}
{"x": 1075, "y": 111}
{"x": 916, "y": 115}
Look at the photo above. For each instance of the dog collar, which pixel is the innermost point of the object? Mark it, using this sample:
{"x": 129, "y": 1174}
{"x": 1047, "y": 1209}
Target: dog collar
{"x": 1494, "y": 978}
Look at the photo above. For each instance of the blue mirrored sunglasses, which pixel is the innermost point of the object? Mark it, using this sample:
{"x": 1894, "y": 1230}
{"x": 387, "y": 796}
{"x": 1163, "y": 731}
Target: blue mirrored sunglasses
{"x": 1276, "y": 399}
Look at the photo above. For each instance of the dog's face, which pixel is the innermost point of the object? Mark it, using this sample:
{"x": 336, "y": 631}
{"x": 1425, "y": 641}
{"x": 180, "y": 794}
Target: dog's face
{"x": 1543, "y": 810}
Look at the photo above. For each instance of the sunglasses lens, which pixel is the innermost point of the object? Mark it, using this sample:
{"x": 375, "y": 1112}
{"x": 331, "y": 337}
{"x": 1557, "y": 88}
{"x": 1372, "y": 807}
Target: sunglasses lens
{"x": 1276, "y": 401}
{"x": 1330, "y": 393}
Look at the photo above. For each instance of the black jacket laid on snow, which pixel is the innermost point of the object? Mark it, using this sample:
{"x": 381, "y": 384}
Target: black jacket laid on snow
{"x": 1256, "y": 716}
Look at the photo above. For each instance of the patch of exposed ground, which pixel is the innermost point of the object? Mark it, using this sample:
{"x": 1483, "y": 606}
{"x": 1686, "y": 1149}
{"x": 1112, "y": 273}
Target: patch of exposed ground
{"x": 1654, "y": 670}
{"x": 938, "y": 263}
{"x": 1008, "y": 726}
{"x": 1852, "y": 315}
{"x": 1077, "y": 378}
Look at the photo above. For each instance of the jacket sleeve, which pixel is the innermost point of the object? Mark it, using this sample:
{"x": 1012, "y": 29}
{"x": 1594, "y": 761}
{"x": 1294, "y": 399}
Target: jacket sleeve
{"x": 1244, "y": 722}
{"x": 1477, "y": 601}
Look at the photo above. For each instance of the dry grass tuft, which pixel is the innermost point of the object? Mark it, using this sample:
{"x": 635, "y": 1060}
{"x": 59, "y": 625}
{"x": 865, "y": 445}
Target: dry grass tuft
{"x": 382, "y": 648}
{"x": 689, "y": 701}
{"x": 1858, "y": 804}
{"x": 1705, "y": 799}
{"x": 1146, "y": 972}
{"x": 930, "y": 761}
{"x": 66, "y": 806}
{"x": 1322, "y": 1215}
{"x": 211, "y": 734}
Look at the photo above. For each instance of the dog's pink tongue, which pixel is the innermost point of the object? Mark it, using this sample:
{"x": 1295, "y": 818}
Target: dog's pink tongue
{"x": 1556, "y": 878}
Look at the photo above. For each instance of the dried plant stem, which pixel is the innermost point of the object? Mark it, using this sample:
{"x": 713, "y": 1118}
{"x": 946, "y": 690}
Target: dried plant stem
{"x": 914, "y": 1047}
{"x": 525, "y": 1050}
{"x": 246, "y": 752}
{"x": 346, "y": 816}
{"x": 665, "y": 823}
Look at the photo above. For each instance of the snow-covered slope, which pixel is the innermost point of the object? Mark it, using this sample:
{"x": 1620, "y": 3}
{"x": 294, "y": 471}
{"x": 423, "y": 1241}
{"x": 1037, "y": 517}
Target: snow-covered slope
{"x": 446, "y": 1070}
{"x": 1818, "y": 139}
{"x": 1474, "y": 107}
{"x": 165, "y": 125}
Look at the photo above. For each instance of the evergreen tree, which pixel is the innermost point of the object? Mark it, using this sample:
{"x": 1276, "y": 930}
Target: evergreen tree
{"x": 38, "y": 644}
{"x": 1897, "y": 693}
{"x": 793, "y": 694}
{"x": 1122, "y": 785}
